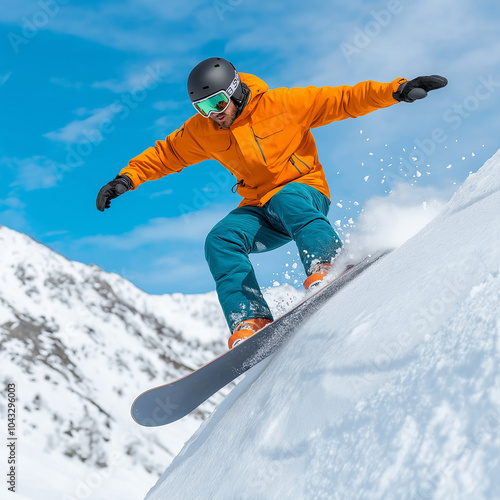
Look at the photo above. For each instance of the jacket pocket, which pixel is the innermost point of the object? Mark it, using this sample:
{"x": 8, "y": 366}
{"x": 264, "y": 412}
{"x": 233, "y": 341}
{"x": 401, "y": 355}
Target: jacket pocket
{"x": 266, "y": 135}
{"x": 300, "y": 165}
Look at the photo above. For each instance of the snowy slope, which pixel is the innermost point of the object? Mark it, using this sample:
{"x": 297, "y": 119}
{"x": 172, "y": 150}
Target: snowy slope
{"x": 391, "y": 392}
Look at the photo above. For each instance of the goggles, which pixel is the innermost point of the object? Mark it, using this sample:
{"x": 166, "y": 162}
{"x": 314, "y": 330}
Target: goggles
{"x": 215, "y": 103}
{"x": 218, "y": 102}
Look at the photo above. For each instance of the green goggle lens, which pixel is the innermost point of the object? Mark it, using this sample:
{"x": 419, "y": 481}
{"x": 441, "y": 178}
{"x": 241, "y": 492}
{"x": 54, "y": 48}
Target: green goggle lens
{"x": 216, "y": 103}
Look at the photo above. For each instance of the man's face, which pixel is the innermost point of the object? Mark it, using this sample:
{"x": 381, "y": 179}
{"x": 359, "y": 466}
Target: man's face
{"x": 227, "y": 117}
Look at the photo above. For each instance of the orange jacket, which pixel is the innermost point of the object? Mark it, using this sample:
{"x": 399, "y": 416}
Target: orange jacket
{"x": 270, "y": 144}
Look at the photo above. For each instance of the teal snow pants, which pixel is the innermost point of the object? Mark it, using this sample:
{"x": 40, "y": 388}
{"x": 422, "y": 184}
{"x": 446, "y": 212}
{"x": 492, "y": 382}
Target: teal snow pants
{"x": 297, "y": 212}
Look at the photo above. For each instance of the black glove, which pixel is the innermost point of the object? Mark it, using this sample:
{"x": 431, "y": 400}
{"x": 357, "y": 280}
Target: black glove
{"x": 418, "y": 87}
{"x": 112, "y": 190}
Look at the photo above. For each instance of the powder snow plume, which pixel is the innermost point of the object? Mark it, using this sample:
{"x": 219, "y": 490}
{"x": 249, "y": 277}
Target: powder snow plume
{"x": 389, "y": 221}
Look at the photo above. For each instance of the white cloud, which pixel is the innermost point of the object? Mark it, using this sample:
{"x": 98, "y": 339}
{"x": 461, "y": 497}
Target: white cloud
{"x": 89, "y": 129}
{"x": 179, "y": 266}
{"x": 141, "y": 26}
{"x": 455, "y": 37}
{"x": 166, "y": 192}
{"x": 137, "y": 78}
{"x": 192, "y": 227}
{"x": 11, "y": 202}
{"x": 181, "y": 269}
{"x": 51, "y": 234}
{"x": 37, "y": 172}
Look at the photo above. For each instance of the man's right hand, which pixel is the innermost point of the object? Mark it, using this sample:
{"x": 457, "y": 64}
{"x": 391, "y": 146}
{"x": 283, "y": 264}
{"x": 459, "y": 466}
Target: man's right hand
{"x": 112, "y": 190}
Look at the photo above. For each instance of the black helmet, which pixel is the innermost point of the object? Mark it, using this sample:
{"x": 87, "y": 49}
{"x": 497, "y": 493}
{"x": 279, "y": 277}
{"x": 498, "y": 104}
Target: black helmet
{"x": 213, "y": 75}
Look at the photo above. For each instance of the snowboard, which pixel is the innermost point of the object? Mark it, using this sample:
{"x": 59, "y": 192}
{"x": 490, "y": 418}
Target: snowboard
{"x": 167, "y": 403}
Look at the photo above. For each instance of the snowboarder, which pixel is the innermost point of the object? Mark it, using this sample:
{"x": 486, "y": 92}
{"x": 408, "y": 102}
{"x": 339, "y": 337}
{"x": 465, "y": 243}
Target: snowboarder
{"x": 262, "y": 136}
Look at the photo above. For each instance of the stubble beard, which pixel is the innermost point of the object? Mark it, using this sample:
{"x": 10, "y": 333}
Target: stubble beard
{"x": 229, "y": 117}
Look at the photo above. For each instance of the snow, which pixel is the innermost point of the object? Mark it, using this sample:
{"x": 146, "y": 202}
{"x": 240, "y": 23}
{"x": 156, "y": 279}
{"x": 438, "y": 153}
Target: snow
{"x": 390, "y": 392}
{"x": 80, "y": 344}
{"x": 391, "y": 220}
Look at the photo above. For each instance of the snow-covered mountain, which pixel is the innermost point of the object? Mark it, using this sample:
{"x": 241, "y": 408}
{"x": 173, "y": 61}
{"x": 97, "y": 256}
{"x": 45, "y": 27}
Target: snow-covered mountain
{"x": 80, "y": 344}
{"x": 392, "y": 391}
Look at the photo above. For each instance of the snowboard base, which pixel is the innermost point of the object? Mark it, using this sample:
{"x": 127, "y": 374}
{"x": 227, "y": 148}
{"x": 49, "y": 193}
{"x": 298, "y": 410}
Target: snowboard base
{"x": 167, "y": 403}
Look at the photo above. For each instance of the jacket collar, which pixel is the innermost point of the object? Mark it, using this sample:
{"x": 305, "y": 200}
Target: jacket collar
{"x": 257, "y": 88}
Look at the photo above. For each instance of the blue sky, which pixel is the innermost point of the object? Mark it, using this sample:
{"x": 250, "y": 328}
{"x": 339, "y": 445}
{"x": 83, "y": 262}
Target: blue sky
{"x": 85, "y": 86}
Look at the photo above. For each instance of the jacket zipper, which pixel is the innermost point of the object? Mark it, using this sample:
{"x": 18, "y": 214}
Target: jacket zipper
{"x": 293, "y": 163}
{"x": 301, "y": 161}
{"x": 241, "y": 183}
{"x": 261, "y": 152}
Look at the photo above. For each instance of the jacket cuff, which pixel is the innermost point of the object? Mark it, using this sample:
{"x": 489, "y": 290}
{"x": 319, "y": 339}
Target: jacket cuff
{"x": 133, "y": 178}
{"x": 395, "y": 86}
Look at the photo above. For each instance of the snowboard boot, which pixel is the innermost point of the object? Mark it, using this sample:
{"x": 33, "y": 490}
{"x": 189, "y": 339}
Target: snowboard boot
{"x": 317, "y": 275}
{"x": 246, "y": 329}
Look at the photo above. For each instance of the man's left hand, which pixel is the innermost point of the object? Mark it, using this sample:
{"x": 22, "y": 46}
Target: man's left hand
{"x": 417, "y": 88}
